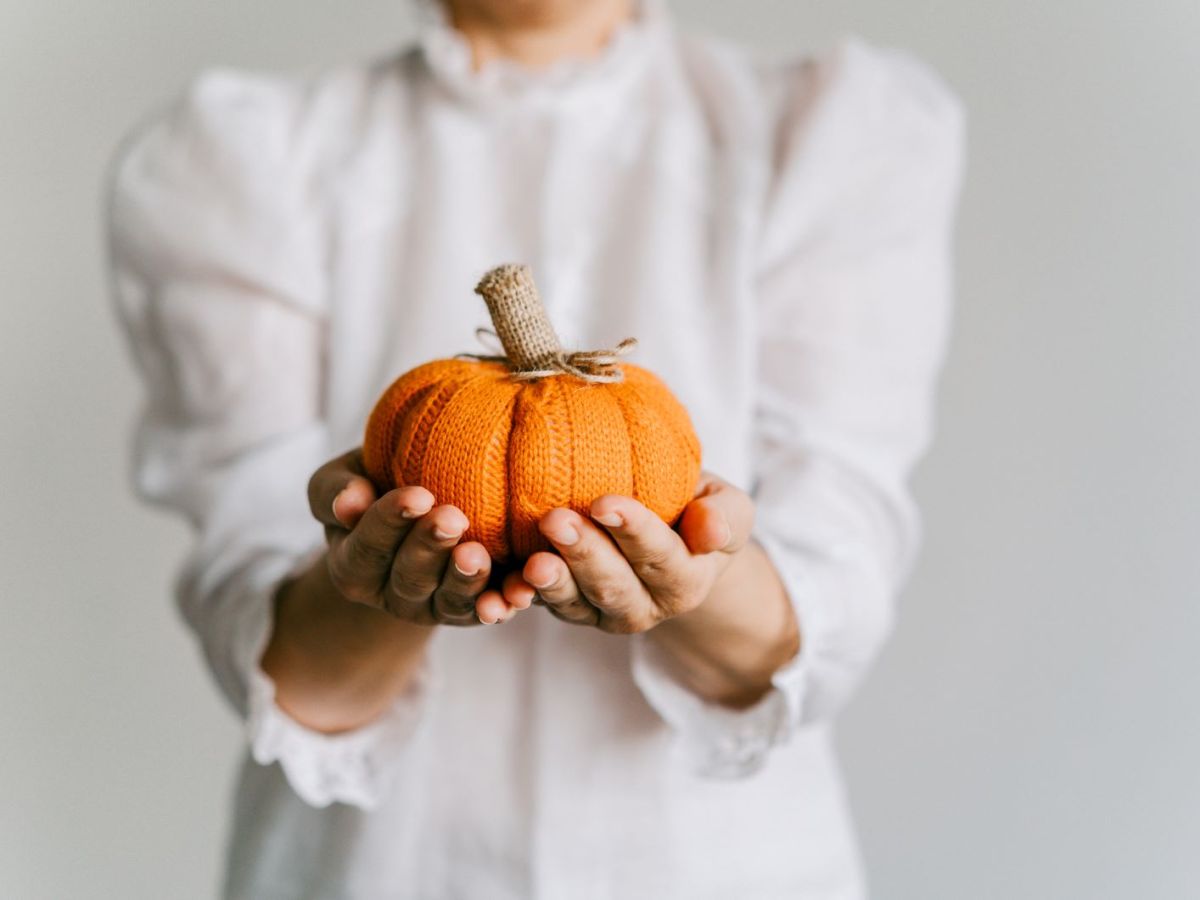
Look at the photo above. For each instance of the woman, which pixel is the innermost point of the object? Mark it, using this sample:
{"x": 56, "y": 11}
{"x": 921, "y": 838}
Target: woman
{"x": 776, "y": 237}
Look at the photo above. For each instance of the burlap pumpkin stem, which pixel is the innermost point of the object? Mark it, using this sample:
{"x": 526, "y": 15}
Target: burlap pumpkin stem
{"x": 531, "y": 347}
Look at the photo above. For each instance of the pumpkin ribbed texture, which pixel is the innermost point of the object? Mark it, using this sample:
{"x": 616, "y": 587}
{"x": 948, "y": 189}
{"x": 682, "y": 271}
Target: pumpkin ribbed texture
{"x": 506, "y": 451}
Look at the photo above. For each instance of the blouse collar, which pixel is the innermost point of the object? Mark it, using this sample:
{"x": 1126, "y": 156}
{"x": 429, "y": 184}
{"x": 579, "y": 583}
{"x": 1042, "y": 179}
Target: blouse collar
{"x": 617, "y": 65}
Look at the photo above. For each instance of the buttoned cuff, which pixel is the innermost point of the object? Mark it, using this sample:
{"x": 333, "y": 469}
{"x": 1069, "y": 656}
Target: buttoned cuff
{"x": 353, "y": 767}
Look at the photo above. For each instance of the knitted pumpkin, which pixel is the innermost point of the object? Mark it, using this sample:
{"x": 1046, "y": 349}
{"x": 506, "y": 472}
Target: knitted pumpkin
{"x": 507, "y": 439}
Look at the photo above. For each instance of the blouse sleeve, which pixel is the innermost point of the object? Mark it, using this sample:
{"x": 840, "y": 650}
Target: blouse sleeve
{"x": 218, "y": 261}
{"x": 853, "y": 287}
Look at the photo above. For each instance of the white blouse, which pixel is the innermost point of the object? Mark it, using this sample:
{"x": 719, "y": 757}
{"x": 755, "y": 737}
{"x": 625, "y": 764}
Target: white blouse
{"x": 777, "y": 238}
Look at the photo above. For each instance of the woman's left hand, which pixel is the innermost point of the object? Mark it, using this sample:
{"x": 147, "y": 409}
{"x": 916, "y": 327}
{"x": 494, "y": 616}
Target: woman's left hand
{"x": 626, "y": 570}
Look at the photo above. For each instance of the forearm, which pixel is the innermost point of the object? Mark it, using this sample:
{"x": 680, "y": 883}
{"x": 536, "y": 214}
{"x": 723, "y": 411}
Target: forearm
{"x": 337, "y": 665}
{"x": 728, "y": 648}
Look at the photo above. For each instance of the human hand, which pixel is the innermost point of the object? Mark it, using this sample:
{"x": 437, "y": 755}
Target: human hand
{"x": 627, "y": 570}
{"x": 400, "y": 553}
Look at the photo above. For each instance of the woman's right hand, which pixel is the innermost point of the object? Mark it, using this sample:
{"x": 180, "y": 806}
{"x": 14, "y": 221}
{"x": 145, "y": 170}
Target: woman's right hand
{"x": 336, "y": 661}
{"x": 400, "y": 553}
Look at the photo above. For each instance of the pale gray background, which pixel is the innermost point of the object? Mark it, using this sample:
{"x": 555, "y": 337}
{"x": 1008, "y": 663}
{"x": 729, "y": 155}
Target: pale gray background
{"x": 1031, "y": 732}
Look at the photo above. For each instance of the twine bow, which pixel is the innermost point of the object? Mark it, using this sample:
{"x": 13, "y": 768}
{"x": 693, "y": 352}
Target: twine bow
{"x": 596, "y": 366}
{"x": 531, "y": 347}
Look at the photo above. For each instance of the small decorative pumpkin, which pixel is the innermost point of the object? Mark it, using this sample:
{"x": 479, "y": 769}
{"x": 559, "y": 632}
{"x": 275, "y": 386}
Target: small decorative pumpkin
{"x": 507, "y": 439}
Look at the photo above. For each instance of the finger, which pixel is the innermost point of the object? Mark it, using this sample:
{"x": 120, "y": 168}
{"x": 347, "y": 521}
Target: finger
{"x": 657, "y": 554}
{"x": 599, "y": 568}
{"x": 421, "y": 561}
{"x": 360, "y": 561}
{"x": 518, "y": 593}
{"x": 549, "y": 575}
{"x": 718, "y": 520}
{"x": 492, "y": 609}
{"x": 464, "y": 580}
{"x": 339, "y": 493}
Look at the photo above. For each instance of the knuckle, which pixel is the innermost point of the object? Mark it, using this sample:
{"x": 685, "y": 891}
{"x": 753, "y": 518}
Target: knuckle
{"x": 364, "y": 555}
{"x": 348, "y": 587}
{"x": 608, "y": 594}
{"x": 454, "y": 605}
{"x": 419, "y": 610}
{"x": 602, "y": 596}
{"x": 657, "y": 561}
{"x": 671, "y": 605}
{"x": 408, "y": 587}
{"x": 400, "y": 594}
{"x": 561, "y": 601}
{"x": 582, "y": 553}
{"x": 456, "y": 592}
{"x": 552, "y": 600}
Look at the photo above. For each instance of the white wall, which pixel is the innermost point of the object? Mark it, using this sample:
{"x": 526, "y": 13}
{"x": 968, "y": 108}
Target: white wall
{"x": 1033, "y": 730}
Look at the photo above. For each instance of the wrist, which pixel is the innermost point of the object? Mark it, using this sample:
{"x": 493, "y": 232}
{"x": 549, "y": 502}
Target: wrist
{"x": 309, "y": 607}
{"x": 336, "y": 664}
{"x": 729, "y": 647}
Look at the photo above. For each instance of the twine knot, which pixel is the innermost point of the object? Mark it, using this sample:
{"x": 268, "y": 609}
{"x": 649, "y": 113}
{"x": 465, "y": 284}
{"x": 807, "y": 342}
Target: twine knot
{"x": 531, "y": 347}
{"x": 595, "y": 366}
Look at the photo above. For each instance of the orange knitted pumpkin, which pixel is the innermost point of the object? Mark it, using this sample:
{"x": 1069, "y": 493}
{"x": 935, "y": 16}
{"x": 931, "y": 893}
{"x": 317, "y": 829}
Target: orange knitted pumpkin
{"x": 508, "y": 439}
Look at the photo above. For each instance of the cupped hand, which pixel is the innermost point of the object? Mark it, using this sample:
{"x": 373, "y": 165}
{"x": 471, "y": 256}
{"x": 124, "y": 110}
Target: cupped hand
{"x": 625, "y": 570}
{"x": 400, "y": 552}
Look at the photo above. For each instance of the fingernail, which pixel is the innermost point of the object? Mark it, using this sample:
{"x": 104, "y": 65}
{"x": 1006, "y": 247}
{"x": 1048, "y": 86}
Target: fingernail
{"x": 333, "y": 505}
{"x": 567, "y": 536}
{"x": 464, "y": 573}
{"x": 611, "y": 520}
{"x": 442, "y": 535}
{"x": 413, "y": 513}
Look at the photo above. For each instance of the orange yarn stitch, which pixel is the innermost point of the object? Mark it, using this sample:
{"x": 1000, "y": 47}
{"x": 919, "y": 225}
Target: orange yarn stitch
{"x": 506, "y": 442}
